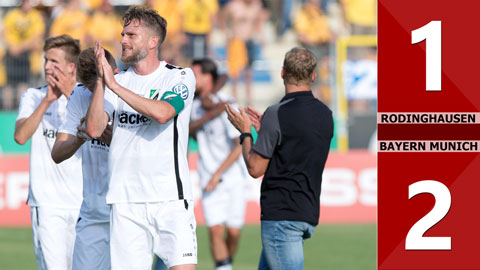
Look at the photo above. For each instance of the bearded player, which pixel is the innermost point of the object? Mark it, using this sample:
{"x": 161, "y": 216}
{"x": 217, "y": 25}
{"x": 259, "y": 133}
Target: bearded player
{"x": 150, "y": 191}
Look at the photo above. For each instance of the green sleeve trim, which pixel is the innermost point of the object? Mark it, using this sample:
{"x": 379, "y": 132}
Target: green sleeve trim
{"x": 254, "y": 134}
{"x": 175, "y": 100}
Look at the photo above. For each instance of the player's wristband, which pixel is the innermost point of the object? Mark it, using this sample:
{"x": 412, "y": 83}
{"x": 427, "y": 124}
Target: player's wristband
{"x": 175, "y": 100}
{"x": 245, "y": 135}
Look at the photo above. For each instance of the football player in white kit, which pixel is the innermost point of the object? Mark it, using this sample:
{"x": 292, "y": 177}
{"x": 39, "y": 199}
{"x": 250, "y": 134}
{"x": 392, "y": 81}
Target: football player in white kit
{"x": 223, "y": 174}
{"x": 92, "y": 243}
{"x": 150, "y": 191}
{"x": 55, "y": 191}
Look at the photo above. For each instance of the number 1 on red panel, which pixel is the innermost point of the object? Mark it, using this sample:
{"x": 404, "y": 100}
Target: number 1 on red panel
{"x": 432, "y": 34}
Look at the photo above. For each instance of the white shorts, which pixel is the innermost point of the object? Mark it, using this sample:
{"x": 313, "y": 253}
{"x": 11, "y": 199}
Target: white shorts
{"x": 225, "y": 205}
{"x": 92, "y": 245}
{"x": 53, "y": 236}
{"x": 137, "y": 230}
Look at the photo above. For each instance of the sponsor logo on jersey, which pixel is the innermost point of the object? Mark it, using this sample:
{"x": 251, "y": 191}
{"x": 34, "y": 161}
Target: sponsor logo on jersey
{"x": 187, "y": 254}
{"x": 97, "y": 144}
{"x": 132, "y": 120}
{"x": 48, "y": 113}
{"x": 50, "y": 133}
{"x": 181, "y": 90}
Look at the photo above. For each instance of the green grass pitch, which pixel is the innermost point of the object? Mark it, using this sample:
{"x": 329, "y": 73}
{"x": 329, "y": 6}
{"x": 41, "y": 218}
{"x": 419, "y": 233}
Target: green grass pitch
{"x": 332, "y": 247}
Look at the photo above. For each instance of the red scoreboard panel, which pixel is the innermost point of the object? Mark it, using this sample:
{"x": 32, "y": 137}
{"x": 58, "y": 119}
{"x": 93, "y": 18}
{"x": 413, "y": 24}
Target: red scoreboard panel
{"x": 428, "y": 134}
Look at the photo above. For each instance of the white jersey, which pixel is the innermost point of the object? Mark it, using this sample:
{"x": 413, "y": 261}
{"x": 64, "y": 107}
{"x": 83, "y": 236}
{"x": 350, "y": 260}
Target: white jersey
{"x": 52, "y": 185}
{"x": 215, "y": 140}
{"x": 148, "y": 160}
{"x": 94, "y": 159}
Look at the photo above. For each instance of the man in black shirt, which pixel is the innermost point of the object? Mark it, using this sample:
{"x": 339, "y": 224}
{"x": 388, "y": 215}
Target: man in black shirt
{"x": 291, "y": 150}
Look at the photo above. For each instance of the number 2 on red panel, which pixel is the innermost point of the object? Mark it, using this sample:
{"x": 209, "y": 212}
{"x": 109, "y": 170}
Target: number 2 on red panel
{"x": 443, "y": 200}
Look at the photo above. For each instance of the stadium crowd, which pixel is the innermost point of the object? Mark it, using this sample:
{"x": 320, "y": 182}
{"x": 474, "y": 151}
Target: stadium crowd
{"x": 315, "y": 24}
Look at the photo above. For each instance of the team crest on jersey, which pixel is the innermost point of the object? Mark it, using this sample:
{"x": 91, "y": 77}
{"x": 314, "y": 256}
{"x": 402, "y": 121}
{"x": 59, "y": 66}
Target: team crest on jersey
{"x": 152, "y": 91}
{"x": 181, "y": 90}
{"x": 154, "y": 94}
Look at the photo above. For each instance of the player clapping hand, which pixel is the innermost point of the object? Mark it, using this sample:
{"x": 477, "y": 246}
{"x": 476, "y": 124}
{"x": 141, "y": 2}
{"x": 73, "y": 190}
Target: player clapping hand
{"x": 60, "y": 83}
{"x": 239, "y": 119}
{"x": 105, "y": 71}
{"x": 255, "y": 117}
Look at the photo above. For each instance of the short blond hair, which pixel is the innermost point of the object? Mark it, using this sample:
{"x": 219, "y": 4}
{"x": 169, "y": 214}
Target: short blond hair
{"x": 298, "y": 66}
{"x": 69, "y": 45}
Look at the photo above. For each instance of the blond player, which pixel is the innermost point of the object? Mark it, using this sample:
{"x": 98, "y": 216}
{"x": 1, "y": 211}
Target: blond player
{"x": 55, "y": 191}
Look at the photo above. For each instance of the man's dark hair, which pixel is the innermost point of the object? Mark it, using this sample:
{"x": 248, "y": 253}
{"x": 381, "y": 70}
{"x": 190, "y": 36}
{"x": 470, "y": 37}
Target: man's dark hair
{"x": 70, "y": 46}
{"x": 207, "y": 65}
{"x": 149, "y": 18}
{"x": 87, "y": 69}
{"x": 298, "y": 66}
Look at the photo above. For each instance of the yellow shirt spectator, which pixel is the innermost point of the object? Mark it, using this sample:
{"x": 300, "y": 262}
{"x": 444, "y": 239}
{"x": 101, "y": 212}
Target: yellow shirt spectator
{"x": 361, "y": 12}
{"x": 3, "y": 73}
{"x": 197, "y": 15}
{"x": 170, "y": 10}
{"x": 311, "y": 23}
{"x": 73, "y": 23}
{"x": 21, "y": 27}
{"x": 98, "y": 23}
{"x": 93, "y": 4}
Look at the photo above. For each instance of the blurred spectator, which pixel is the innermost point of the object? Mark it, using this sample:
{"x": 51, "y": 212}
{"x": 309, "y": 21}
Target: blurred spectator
{"x": 361, "y": 16}
{"x": 222, "y": 3}
{"x": 3, "y": 50}
{"x": 281, "y": 14}
{"x": 3, "y": 74}
{"x": 286, "y": 21}
{"x": 312, "y": 30}
{"x": 243, "y": 20}
{"x": 198, "y": 20}
{"x": 93, "y": 4}
{"x": 105, "y": 18}
{"x": 23, "y": 34}
{"x": 172, "y": 46}
{"x": 71, "y": 21}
